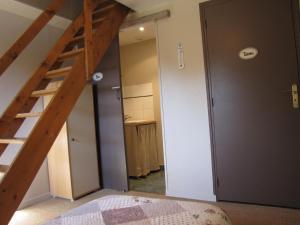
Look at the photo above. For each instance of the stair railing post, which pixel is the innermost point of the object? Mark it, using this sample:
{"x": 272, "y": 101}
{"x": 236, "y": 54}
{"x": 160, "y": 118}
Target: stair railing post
{"x": 88, "y": 38}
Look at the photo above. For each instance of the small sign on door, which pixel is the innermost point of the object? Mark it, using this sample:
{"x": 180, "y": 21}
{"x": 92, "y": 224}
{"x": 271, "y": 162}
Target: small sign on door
{"x": 248, "y": 53}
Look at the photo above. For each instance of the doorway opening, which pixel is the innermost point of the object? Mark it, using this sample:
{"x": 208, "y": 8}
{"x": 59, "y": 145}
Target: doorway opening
{"x": 141, "y": 109}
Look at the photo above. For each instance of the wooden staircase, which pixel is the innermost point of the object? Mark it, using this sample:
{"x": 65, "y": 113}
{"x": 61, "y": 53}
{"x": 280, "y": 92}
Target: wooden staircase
{"x": 84, "y": 43}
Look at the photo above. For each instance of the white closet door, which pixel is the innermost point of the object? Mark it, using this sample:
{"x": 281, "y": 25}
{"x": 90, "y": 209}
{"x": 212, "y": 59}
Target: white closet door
{"x": 82, "y": 144}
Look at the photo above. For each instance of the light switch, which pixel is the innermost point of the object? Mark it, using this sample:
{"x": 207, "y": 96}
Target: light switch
{"x": 180, "y": 55}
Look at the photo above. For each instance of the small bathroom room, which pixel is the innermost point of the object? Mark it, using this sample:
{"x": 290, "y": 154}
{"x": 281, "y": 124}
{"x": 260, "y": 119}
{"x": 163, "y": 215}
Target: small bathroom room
{"x": 141, "y": 108}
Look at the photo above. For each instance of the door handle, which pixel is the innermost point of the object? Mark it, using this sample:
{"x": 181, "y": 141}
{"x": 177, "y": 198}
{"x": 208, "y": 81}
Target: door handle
{"x": 295, "y": 96}
{"x": 74, "y": 140}
{"x": 117, "y": 89}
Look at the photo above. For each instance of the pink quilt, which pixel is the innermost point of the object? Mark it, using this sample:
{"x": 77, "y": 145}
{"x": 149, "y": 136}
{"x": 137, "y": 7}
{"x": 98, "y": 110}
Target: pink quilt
{"x": 129, "y": 210}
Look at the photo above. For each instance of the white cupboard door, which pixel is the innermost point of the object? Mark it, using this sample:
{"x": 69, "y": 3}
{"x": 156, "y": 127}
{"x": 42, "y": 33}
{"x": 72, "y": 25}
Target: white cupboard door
{"x": 82, "y": 144}
{"x": 59, "y": 167}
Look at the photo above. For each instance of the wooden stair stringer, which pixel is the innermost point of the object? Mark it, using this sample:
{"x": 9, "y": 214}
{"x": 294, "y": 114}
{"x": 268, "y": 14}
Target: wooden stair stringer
{"x": 23, "y": 102}
{"x": 110, "y": 28}
{"x": 38, "y": 144}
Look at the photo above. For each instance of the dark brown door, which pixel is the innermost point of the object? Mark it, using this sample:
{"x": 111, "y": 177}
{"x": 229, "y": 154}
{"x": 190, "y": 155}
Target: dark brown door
{"x": 252, "y": 64}
{"x": 110, "y": 121}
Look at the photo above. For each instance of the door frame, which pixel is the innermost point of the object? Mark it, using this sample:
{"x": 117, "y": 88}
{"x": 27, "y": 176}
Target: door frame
{"x": 154, "y": 22}
{"x": 296, "y": 22}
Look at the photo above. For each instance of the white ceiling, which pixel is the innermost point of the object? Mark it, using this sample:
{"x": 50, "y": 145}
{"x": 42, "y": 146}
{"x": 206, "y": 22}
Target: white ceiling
{"x": 127, "y": 36}
{"x": 29, "y": 12}
{"x": 133, "y": 35}
{"x": 144, "y": 5}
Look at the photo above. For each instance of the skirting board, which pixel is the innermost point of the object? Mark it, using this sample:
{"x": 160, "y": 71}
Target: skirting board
{"x": 191, "y": 197}
{"x": 35, "y": 200}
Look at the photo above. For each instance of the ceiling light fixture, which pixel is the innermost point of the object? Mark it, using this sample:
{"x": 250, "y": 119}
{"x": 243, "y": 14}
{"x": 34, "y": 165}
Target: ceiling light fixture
{"x": 142, "y": 29}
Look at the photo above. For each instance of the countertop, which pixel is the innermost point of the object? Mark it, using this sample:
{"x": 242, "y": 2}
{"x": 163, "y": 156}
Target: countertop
{"x": 139, "y": 122}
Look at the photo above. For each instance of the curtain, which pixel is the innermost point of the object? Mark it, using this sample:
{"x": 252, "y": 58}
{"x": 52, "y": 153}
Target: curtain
{"x": 141, "y": 149}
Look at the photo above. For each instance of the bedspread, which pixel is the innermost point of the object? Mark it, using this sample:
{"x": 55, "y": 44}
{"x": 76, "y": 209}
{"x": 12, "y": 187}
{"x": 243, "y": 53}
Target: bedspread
{"x": 130, "y": 210}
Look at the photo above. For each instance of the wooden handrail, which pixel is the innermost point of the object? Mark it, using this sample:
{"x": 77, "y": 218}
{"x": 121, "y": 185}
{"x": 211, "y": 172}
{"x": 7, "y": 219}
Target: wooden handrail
{"x": 88, "y": 38}
{"x": 11, "y": 54}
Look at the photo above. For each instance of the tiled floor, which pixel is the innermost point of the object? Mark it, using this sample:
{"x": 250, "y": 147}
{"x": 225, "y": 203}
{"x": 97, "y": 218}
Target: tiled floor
{"x": 154, "y": 183}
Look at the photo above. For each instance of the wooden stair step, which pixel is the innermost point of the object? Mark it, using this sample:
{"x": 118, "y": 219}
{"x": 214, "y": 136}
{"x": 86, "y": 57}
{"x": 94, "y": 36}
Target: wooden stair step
{"x": 58, "y": 73}
{"x": 81, "y": 37}
{"x": 3, "y": 171}
{"x": 77, "y": 39}
{"x": 70, "y": 54}
{"x": 95, "y": 22}
{"x": 104, "y": 8}
{"x": 102, "y": 3}
{"x": 4, "y": 168}
{"x": 45, "y": 92}
{"x": 28, "y": 115}
{"x": 16, "y": 141}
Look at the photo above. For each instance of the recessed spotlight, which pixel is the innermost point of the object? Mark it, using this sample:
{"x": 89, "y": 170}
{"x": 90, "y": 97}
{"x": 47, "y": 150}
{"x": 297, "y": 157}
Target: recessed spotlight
{"x": 142, "y": 29}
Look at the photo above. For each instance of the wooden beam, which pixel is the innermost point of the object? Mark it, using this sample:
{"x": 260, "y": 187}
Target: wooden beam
{"x": 29, "y": 160}
{"x": 88, "y": 38}
{"x": 11, "y": 54}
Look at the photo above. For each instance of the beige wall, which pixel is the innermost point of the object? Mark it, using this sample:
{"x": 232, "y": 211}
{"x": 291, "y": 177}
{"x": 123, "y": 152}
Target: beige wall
{"x": 139, "y": 65}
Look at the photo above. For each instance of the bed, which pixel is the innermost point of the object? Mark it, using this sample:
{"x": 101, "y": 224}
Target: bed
{"x": 130, "y": 210}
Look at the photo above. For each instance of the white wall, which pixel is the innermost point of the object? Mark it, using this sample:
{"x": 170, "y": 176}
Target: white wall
{"x": 184, "y": 104}
{"x": 15, "y": 77}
